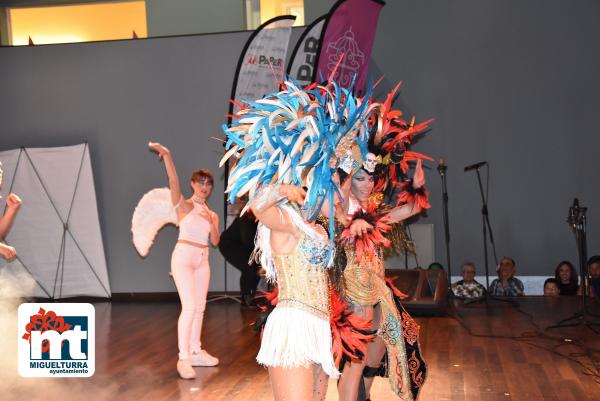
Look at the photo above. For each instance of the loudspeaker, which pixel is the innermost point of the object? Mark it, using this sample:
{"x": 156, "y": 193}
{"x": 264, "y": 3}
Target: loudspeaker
{"x": 426, "y": 290}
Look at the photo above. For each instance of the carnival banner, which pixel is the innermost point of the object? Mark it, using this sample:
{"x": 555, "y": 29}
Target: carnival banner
{"x": 348, "y": 34}
{"x": 302, "y": 63}
{"x": 265, "y": 51}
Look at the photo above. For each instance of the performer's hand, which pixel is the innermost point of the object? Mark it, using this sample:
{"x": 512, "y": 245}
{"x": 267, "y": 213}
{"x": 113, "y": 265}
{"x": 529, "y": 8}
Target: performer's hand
{"x": 292, "y": 193}
{"x": 7, "y": 252}
{"x": 13, "y": 201}
{"x": 419, "y": 177}
{"x": 205, "y": 212}
{"x": 359, "y": 227}
{"x": 159, "y": 149}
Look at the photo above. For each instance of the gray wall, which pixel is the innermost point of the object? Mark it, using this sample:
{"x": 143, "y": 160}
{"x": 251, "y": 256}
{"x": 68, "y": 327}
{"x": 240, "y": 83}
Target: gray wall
{"x": 514, "y": 83}
{"x": 118, "y": 96}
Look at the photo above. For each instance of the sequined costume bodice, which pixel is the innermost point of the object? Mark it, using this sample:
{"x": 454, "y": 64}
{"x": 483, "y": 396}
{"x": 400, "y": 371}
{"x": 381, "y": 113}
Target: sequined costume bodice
{"x": 302, "y": 280}
{"x": 363, "y": 276}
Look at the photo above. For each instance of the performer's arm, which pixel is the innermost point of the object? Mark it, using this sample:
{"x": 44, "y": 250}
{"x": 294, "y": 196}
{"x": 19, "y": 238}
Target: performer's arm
{"x": 264, "y": 206}
{"x": 412, "y": 208}
{"x": 166, "y": 157}
{"x": 215, "y": 234}
{"x": 403, "y": 212}
{"x": 13, "y": 203}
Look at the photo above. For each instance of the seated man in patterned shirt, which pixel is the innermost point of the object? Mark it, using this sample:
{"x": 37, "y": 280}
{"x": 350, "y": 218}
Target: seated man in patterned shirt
{"x": 507, "y": 285}
{"x": 468, "y": 287}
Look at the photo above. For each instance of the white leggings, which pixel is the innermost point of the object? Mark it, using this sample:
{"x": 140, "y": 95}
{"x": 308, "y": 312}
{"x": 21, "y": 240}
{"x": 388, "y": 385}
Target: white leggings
{"x": 191, "y": 272}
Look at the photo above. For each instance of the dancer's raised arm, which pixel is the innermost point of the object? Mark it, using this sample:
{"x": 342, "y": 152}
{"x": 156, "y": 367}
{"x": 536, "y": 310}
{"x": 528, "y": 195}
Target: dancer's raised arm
{"x": 264, "y": 206}
{"x": 413, "y": 207}
{"x": 165, "y": 156}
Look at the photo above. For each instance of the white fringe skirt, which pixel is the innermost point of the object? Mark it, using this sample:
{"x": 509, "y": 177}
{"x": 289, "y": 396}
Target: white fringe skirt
{"x": 295, "y": 337}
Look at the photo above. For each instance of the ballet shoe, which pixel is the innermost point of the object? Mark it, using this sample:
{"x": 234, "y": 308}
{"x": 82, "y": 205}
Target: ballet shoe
{"x": 203, "y": 358}
{"x": 185, "y": 370}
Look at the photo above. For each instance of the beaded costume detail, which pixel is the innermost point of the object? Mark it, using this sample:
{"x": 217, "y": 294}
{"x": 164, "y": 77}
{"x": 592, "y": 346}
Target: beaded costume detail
{"x": 301, "y": 278}
{"x": 297, "y": 332}
{"x": 365, "y": 285}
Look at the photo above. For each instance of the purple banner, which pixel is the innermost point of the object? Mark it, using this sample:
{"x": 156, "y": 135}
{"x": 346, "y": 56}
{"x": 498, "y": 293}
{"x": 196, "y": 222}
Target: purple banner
{"x": 349, "y": 33}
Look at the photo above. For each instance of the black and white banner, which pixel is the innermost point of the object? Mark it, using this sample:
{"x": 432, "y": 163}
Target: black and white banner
{"x": 303, "y": 60}
{"x": 264, "y": 53}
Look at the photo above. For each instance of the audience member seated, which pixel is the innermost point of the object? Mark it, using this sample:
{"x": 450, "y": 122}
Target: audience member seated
{"x": 435, "y": 266}
{"x": 507, "y": 285}
{"x": 551, "y": 288}
{"x": 594, "y": 269}
{"x": 468, "y": 287}
{"x": 566, "y": 278}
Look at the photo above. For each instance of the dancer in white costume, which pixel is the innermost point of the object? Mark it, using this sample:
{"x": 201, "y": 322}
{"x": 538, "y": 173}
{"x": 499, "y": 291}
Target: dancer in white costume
{"x": 296, "y": 344}
{"x": 290, "y": 140}
{"x": 198, "y": 229}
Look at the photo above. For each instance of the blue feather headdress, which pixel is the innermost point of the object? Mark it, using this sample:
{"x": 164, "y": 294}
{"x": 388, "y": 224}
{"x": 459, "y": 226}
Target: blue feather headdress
{"x": 296, "y": 136}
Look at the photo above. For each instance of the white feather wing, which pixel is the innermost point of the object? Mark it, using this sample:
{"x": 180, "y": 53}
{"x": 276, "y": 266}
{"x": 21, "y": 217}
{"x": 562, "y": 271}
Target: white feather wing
{"x": 152, "y": 213}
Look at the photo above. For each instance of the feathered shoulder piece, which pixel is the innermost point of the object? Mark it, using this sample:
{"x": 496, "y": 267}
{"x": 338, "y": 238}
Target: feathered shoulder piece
{"x": 377, "y": 215}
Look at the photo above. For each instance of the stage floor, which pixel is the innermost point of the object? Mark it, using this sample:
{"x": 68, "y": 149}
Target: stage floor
{"x": 136, "y": 356}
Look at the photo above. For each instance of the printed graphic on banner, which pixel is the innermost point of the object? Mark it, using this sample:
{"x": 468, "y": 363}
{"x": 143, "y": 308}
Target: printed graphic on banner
{"x": 56, "y": 340}
{"x": 265, "y": 53}
{"x": 349, "y": 31}
{"x": 346, "y": 46}
{"x": 304, "y": 57}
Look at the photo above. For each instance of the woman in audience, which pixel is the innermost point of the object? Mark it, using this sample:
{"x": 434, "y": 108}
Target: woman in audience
{"x": 566, "y": 278}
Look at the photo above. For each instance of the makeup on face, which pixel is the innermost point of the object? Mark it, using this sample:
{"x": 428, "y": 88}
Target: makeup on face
{"x": 202, "y": 188}
{"x": 362, "y": 185}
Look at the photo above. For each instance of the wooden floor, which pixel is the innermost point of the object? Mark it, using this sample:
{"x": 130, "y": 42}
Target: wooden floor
{"x": 136, "y": 356}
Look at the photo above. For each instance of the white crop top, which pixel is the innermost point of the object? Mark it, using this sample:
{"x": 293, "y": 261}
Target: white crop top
{"x": 193, "y": 227}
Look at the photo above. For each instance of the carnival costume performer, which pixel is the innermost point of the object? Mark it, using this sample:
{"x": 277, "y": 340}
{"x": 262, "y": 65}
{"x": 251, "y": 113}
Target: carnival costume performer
{"x": 290, "y": 140}
{"x": 198, "y": 230}
{"x": 381, "y": 197}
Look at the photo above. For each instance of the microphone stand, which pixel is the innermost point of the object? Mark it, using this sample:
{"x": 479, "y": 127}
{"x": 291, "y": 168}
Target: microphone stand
{"x": 487, "y": 229}
{"x": 577, "y": 220}
{"x": 225, "y": 294}
{"x": 442, "y": 170}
